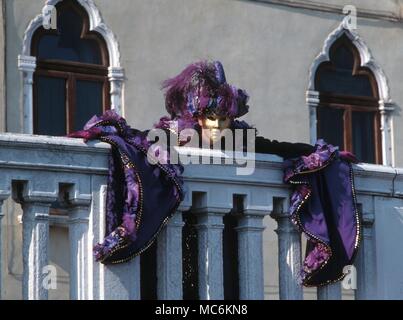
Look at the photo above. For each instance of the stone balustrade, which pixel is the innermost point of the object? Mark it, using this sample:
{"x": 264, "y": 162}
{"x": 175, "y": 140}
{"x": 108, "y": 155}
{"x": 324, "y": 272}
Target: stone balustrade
{"x": 39, "y": 171}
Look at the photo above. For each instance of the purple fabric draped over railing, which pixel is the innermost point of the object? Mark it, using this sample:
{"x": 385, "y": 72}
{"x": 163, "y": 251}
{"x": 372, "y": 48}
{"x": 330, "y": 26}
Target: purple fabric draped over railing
{"x": 133, "y": 216}
{"x": 323, "y": 207}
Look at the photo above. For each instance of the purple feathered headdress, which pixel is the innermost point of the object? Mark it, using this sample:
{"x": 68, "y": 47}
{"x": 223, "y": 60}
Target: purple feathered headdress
{"x": 202, "y": 89}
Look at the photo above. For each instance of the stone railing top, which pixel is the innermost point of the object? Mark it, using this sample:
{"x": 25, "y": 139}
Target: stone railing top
{"x": 40, "y": 141}
{"x": 57, "y": 154}
{"x": 68, "y": 154}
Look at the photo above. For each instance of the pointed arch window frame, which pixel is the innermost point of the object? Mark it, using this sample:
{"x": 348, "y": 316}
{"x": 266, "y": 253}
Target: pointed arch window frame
{"x": 27, "y": 62}
{"x": 385, "y": 105}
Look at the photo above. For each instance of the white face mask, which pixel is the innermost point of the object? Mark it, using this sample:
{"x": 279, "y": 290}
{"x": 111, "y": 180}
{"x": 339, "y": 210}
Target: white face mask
{"x": 212, "y": 127}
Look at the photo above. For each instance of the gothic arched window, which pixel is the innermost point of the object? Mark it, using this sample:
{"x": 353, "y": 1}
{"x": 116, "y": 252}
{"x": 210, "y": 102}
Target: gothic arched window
{"x": 71, "y": 79}
{"x": 348, "y": 112}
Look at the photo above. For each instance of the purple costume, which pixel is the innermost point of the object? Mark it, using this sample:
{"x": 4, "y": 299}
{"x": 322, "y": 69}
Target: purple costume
{"x": 133, "y": 216}
{"x": 142, "y": 196}
{"x": 323, "y": 206}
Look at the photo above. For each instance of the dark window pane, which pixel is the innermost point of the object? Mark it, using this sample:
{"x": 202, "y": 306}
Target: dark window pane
{"x": 67, "y": 44}
{"x": 148, "y": 273}
{"x": 340, "y": 80}
{"x": 342, "y": 58}
{"x": 230, "y": 258}
{"x": 331, "y": 127}
{"x": 51, "y": 106}
{"x": 88, "y": 102}
{"x": 363, "y": 136}
{"x": 190, "y": 263}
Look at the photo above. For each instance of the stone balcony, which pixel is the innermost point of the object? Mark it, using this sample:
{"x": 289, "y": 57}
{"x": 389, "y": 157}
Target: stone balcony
{"x": 39, "y": 171}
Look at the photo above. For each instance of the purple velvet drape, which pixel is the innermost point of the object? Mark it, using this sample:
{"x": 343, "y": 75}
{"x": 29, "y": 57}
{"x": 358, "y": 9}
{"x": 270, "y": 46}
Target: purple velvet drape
{"x": 141, "y": 196}
{"x": 323, "y": 207}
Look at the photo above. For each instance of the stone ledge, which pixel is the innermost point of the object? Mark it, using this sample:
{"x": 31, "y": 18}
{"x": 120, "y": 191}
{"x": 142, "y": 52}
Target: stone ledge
{"x": 388, "y": 15}
{"x": 48, "y": 142}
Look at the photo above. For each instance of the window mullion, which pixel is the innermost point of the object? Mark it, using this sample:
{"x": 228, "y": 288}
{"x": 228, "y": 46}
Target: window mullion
{"x": 71, "y": 102}
{"x": 378, "y": 138}
{"x": 106, "y": 98}
{"x": 348, "y": 136}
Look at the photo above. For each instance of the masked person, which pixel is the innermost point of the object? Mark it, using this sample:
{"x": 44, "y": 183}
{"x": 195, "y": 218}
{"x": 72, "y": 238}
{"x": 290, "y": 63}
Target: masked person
{"x": 200, "y": 98}
{"x": 142, "y": 195}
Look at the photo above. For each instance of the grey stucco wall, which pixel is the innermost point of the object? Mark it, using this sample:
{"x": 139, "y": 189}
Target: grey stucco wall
{"x": 18, "y": 14}
{"x": 2, "y": 68}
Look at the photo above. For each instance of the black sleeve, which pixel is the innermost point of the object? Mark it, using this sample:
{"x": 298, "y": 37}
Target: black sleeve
{"x": 283, "y": 149}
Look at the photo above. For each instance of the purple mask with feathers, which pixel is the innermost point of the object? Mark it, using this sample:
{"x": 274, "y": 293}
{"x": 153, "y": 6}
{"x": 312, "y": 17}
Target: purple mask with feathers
{"x": 201, "y": 89}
